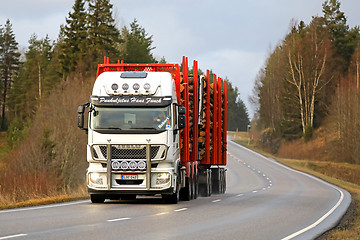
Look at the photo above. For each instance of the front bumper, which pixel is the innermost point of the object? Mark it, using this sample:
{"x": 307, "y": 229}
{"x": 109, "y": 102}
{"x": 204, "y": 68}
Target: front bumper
{"x": 136, "y": 192}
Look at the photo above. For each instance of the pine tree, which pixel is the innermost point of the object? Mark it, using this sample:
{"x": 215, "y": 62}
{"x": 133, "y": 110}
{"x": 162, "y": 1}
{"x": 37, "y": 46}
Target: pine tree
{"x": 74, "y": 43}
{"x": 238, "y": 117}
{"x": 104, "y": 37}
{"x": 9, "y": 64}
{"x": 32, "y": 82}
{"x": 344, "y": 40}
{"x": 137, "y": 44}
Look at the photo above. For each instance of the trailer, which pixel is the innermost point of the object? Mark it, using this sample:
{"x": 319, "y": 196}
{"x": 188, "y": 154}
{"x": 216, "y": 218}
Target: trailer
{"x": 155, "y": 129}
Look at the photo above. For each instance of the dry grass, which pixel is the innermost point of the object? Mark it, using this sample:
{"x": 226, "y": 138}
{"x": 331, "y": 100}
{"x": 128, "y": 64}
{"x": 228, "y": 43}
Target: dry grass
{"x": 77, "y": 195}
{"x": 51, "y": 160}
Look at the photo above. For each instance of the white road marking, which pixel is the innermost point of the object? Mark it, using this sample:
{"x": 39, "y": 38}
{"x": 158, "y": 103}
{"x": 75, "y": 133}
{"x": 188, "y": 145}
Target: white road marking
{"x": 13, "y": 236}
{"x": 218, "y": 200}
{"x": 118, "y": 219}
{"x": 239, "y": 195}
{"x": 255, "y": 191}
{"x": 310, "y": 176}
{"x": 181, "y": 209}
{"x": 319, "y": 220}
{"x": 162, "y": 213}
{"x": 43, "y": 207}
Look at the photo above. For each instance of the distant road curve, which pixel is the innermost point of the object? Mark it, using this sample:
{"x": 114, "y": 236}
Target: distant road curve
{"x": 264, "y": 200}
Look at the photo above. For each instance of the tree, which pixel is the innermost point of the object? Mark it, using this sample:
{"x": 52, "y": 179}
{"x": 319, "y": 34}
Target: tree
{"x": 308, "y": 58}
{"x": 74, "y": 43}
{"x": 238, "y": 117}
{"x": 137, "y": 44}
{"x": 32, "y": 82}
{"x": 104, "y": 37}
{"x": 344, "y": 41}
{"x": 9, "y": 64}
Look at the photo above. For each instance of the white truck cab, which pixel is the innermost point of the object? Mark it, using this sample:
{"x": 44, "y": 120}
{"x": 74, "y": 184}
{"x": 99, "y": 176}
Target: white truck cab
{"x": 133, "y": 136}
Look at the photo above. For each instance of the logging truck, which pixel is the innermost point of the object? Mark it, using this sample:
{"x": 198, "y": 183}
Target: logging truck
{"x": 155, "y": 129}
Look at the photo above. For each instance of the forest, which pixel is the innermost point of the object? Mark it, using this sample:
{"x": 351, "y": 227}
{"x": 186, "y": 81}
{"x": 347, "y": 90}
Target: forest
{"x": 311, "y": 81}
{"x": 44, "y": 153}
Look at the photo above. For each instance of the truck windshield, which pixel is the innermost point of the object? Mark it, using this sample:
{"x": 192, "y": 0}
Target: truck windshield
{"x": 134, "y": 120}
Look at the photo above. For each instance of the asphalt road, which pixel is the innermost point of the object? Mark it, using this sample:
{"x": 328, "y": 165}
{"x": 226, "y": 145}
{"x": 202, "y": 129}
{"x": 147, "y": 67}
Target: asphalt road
{"x": 264, "y": 200}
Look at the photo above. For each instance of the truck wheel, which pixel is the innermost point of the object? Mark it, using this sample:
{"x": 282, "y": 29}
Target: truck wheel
{"x": 97, "y": 198}
{"x": 172, "y": 198}
{"x": 185, "y": 193}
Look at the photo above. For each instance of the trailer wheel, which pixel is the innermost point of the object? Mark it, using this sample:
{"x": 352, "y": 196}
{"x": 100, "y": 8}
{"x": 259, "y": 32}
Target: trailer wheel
{"x": 223, "y": 181}
{"x": 205, "y": 186}
{"x": 97, "y": 198}
{"x": 196, "y": 184}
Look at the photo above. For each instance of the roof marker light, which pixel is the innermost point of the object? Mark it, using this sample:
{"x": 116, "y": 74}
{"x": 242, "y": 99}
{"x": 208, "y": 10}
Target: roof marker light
{"x": 136, "y": 86}
{"x": 125, "y": 86}
{"x": 114, "y": 87}
{"x": 147, "y": 86}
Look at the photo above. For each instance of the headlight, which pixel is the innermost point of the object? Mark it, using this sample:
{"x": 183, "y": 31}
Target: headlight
{"x": 162, "y": 178}
{"x": 97, "y": 178}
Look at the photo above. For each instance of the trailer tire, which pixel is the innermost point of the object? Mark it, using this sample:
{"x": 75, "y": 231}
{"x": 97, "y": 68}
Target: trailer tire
{"x": 223, "y": 181}
{"x": 196, "y": 184}
{"x": 97, "y": 198}
{"x": 216, "y": 180}
{"x": 205, "y": 186}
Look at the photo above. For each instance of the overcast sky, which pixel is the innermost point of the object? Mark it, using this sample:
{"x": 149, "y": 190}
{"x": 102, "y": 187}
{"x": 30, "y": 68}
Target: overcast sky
{"x": 231, "y": 37}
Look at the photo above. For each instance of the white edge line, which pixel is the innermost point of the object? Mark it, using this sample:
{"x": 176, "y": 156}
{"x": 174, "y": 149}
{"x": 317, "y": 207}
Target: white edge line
{"x": 118, "y": 219}
{"x": 218, "y": 200}
{"x": 13, "y": 236}
{"x": 319, "y": 220}
{"x": 308, "y": 175}
{"x": 43, "y": 207}
{"x": 181, "y": 209}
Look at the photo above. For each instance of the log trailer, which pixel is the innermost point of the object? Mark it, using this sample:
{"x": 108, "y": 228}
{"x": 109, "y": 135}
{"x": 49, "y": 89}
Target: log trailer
{"x": 155, "y": 129}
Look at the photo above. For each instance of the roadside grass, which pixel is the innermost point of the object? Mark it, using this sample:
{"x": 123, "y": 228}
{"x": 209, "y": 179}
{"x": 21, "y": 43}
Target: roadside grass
{"x": 343, "y": 175}
{"x": 4, "y": 148}
{"x": 36, "y": 201}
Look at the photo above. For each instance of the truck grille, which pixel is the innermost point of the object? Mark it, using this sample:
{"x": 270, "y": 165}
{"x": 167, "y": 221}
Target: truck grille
{"x": 157, "y": 152}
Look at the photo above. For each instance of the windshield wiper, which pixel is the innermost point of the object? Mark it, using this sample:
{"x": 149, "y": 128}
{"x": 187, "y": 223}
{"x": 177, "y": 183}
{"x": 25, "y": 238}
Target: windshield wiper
{"x": 145, "y": 128}
{"x": 109, "y": 128}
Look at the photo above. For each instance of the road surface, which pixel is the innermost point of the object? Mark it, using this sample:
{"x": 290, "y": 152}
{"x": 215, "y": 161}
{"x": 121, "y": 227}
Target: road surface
{"x": 264, "y": 200}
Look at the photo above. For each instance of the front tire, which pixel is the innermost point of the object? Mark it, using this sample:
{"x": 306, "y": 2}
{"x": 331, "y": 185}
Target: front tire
{"x": 97, "y": 198}
{"x": 172, "y": 198}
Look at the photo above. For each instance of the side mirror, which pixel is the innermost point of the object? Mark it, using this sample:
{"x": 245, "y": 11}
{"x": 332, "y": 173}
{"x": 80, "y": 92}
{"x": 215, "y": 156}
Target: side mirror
{"x": 181, "y": 110}
{"x": 181, "y": 122}
{"x": 181, "y": 117}
{"x": 80, "y": 116}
